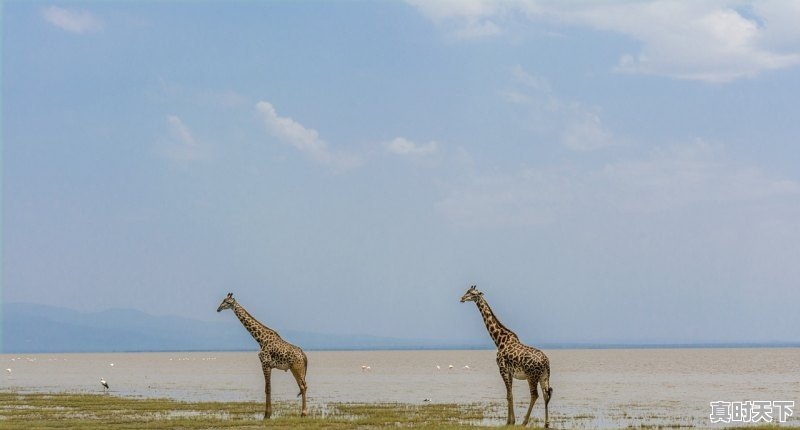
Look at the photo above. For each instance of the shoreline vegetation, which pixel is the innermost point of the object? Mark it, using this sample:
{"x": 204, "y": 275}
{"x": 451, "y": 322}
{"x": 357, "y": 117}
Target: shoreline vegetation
{"x": 62, "y": 410}
{"x": 103, "y": 411}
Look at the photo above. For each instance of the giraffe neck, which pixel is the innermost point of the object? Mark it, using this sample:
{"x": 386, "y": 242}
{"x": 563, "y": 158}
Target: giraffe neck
{"x": 499, "y": 333}
{"x": 261, "y": 333}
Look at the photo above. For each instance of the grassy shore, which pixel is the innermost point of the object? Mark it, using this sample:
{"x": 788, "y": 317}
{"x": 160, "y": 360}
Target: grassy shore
{"x": 106, "y": 411}
{"x": 93, "y": 411}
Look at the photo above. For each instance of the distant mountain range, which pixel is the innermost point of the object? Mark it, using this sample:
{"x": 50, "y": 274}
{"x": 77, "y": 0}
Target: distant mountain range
{"x": 30, "y": 328}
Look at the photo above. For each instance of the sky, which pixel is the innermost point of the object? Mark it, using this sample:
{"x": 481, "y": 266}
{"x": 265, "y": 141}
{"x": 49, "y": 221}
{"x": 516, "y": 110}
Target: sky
{"x": 605, "y": 172}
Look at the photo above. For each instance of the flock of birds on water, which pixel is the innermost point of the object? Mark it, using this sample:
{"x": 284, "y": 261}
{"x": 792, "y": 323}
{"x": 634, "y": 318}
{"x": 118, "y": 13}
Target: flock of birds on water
{"x": 364, "y": 368}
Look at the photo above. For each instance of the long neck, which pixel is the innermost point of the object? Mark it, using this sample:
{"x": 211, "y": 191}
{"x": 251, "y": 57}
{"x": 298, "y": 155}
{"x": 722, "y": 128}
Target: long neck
{"x": 499, "y": 333}
{"x": 259, "y": 331}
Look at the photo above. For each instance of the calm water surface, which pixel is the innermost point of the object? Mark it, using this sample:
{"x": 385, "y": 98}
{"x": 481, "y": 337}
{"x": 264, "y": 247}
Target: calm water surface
{"x": 597, "y": 388}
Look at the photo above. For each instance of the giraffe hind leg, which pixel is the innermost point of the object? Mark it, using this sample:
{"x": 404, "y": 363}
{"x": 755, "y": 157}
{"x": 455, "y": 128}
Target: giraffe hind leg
{"x": 299, "y": 373}
{"x": 547, "y": 392}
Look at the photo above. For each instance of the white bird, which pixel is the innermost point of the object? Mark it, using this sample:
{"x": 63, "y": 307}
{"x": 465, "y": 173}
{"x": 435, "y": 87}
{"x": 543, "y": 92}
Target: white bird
{"x": 104, "y": 384}
{"x": 450, "y": 366}
{"x": 111, "y": 364}
{"x": 369, "y": 368}
{"x": 363, "y": 367}
{"x": 438, "y": 367}
{"x": 466, "y": 367}
{"x": 8, "y": 371}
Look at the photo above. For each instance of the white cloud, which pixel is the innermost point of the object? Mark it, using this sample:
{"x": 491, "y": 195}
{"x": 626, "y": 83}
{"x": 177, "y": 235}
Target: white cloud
{"x": 713, "y": 41}
{"x": 537, "y": 83}
{"x": 528, "y": 197}
{"x": 464, "y": 19}
{"x": 692, "y": 40}
{"x": 684, "y": 175}
{"x": 586, "y": 134}
{"x": 576, "y": 126}
{"x": 477, "y": 30}
{"x": 71, "y": 20}
{"x": 666, "y": 179}
{"x": 180, "y": 131}
{"x": 181, "y": 144}
{"x": 402, "y": 146}
{"x": 304, "y": 139}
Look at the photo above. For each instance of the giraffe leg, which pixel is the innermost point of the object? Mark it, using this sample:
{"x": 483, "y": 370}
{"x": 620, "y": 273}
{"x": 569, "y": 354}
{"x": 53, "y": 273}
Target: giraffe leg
{"x": 508, "y": 380}
{"x": 547, "y": 392}
{"x": 299, "y": 373}
{"x": 267, "y": 384}
{"x": 534, "y": 395}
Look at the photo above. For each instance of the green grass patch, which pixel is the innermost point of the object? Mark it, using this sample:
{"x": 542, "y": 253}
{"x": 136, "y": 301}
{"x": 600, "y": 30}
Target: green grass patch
{"x": 102, "y": 411}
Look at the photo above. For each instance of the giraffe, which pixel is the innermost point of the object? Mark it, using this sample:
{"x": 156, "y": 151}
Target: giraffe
{"x": 515, "y": 359}
{"x": 275, "y": 353}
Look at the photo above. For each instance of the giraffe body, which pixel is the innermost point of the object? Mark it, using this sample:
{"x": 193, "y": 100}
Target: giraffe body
{"x": 515, "y": 360}
{"x": 275, "y": 353}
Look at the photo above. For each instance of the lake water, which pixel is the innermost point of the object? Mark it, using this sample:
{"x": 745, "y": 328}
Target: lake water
{"x": 596, "y": 388}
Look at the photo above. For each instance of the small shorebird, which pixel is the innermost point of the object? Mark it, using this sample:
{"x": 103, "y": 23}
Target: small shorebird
{"x": 104, "y": 384}
{"x": 438, "y": 367}
{"x": 466, "y": 367}
{"x": 427, "y": 400}
{"x": 450, "y": 366}
{"x": 8, "y": 371}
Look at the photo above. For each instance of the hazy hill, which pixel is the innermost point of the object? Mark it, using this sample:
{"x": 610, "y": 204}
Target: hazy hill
{"x": 29, "y": 328}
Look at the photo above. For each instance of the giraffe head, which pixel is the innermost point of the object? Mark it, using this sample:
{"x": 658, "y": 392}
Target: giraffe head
{"x": 471, "y": 295}
{"x": 227, "y": 303}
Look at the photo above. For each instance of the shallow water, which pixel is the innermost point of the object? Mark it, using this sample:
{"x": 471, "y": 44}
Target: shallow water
{"x": 597, "y": 388}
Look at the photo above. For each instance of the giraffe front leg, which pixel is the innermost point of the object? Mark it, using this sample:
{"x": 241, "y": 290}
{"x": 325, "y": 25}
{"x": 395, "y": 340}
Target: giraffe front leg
{"x": 534, "y": 395}
{"x": 509, "y": 380}
{"x": 267, "y": 384}
{"x": 267, "y": 393}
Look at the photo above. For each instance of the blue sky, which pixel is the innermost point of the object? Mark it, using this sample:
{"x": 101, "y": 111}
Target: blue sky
{"x": 604, "y": 171}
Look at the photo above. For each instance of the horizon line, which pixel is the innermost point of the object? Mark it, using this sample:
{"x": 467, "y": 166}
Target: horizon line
{"x": 564, "y": 346}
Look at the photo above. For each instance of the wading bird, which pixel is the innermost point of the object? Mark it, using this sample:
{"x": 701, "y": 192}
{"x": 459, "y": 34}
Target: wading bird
{"x": 104, "y": 384}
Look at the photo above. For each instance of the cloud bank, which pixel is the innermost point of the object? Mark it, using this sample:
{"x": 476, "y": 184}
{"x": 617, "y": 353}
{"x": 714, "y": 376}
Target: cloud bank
{"x": 711, "y": 41}
{"x": 305, "y": 140}
{"x": 666, "y": 179}
{"x": 73, "y": 21}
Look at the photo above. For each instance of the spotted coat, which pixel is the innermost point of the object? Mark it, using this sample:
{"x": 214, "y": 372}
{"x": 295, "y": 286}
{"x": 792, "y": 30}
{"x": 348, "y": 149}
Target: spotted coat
{"x": 515, "y": 360}
{"x": 275, "y": 353}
